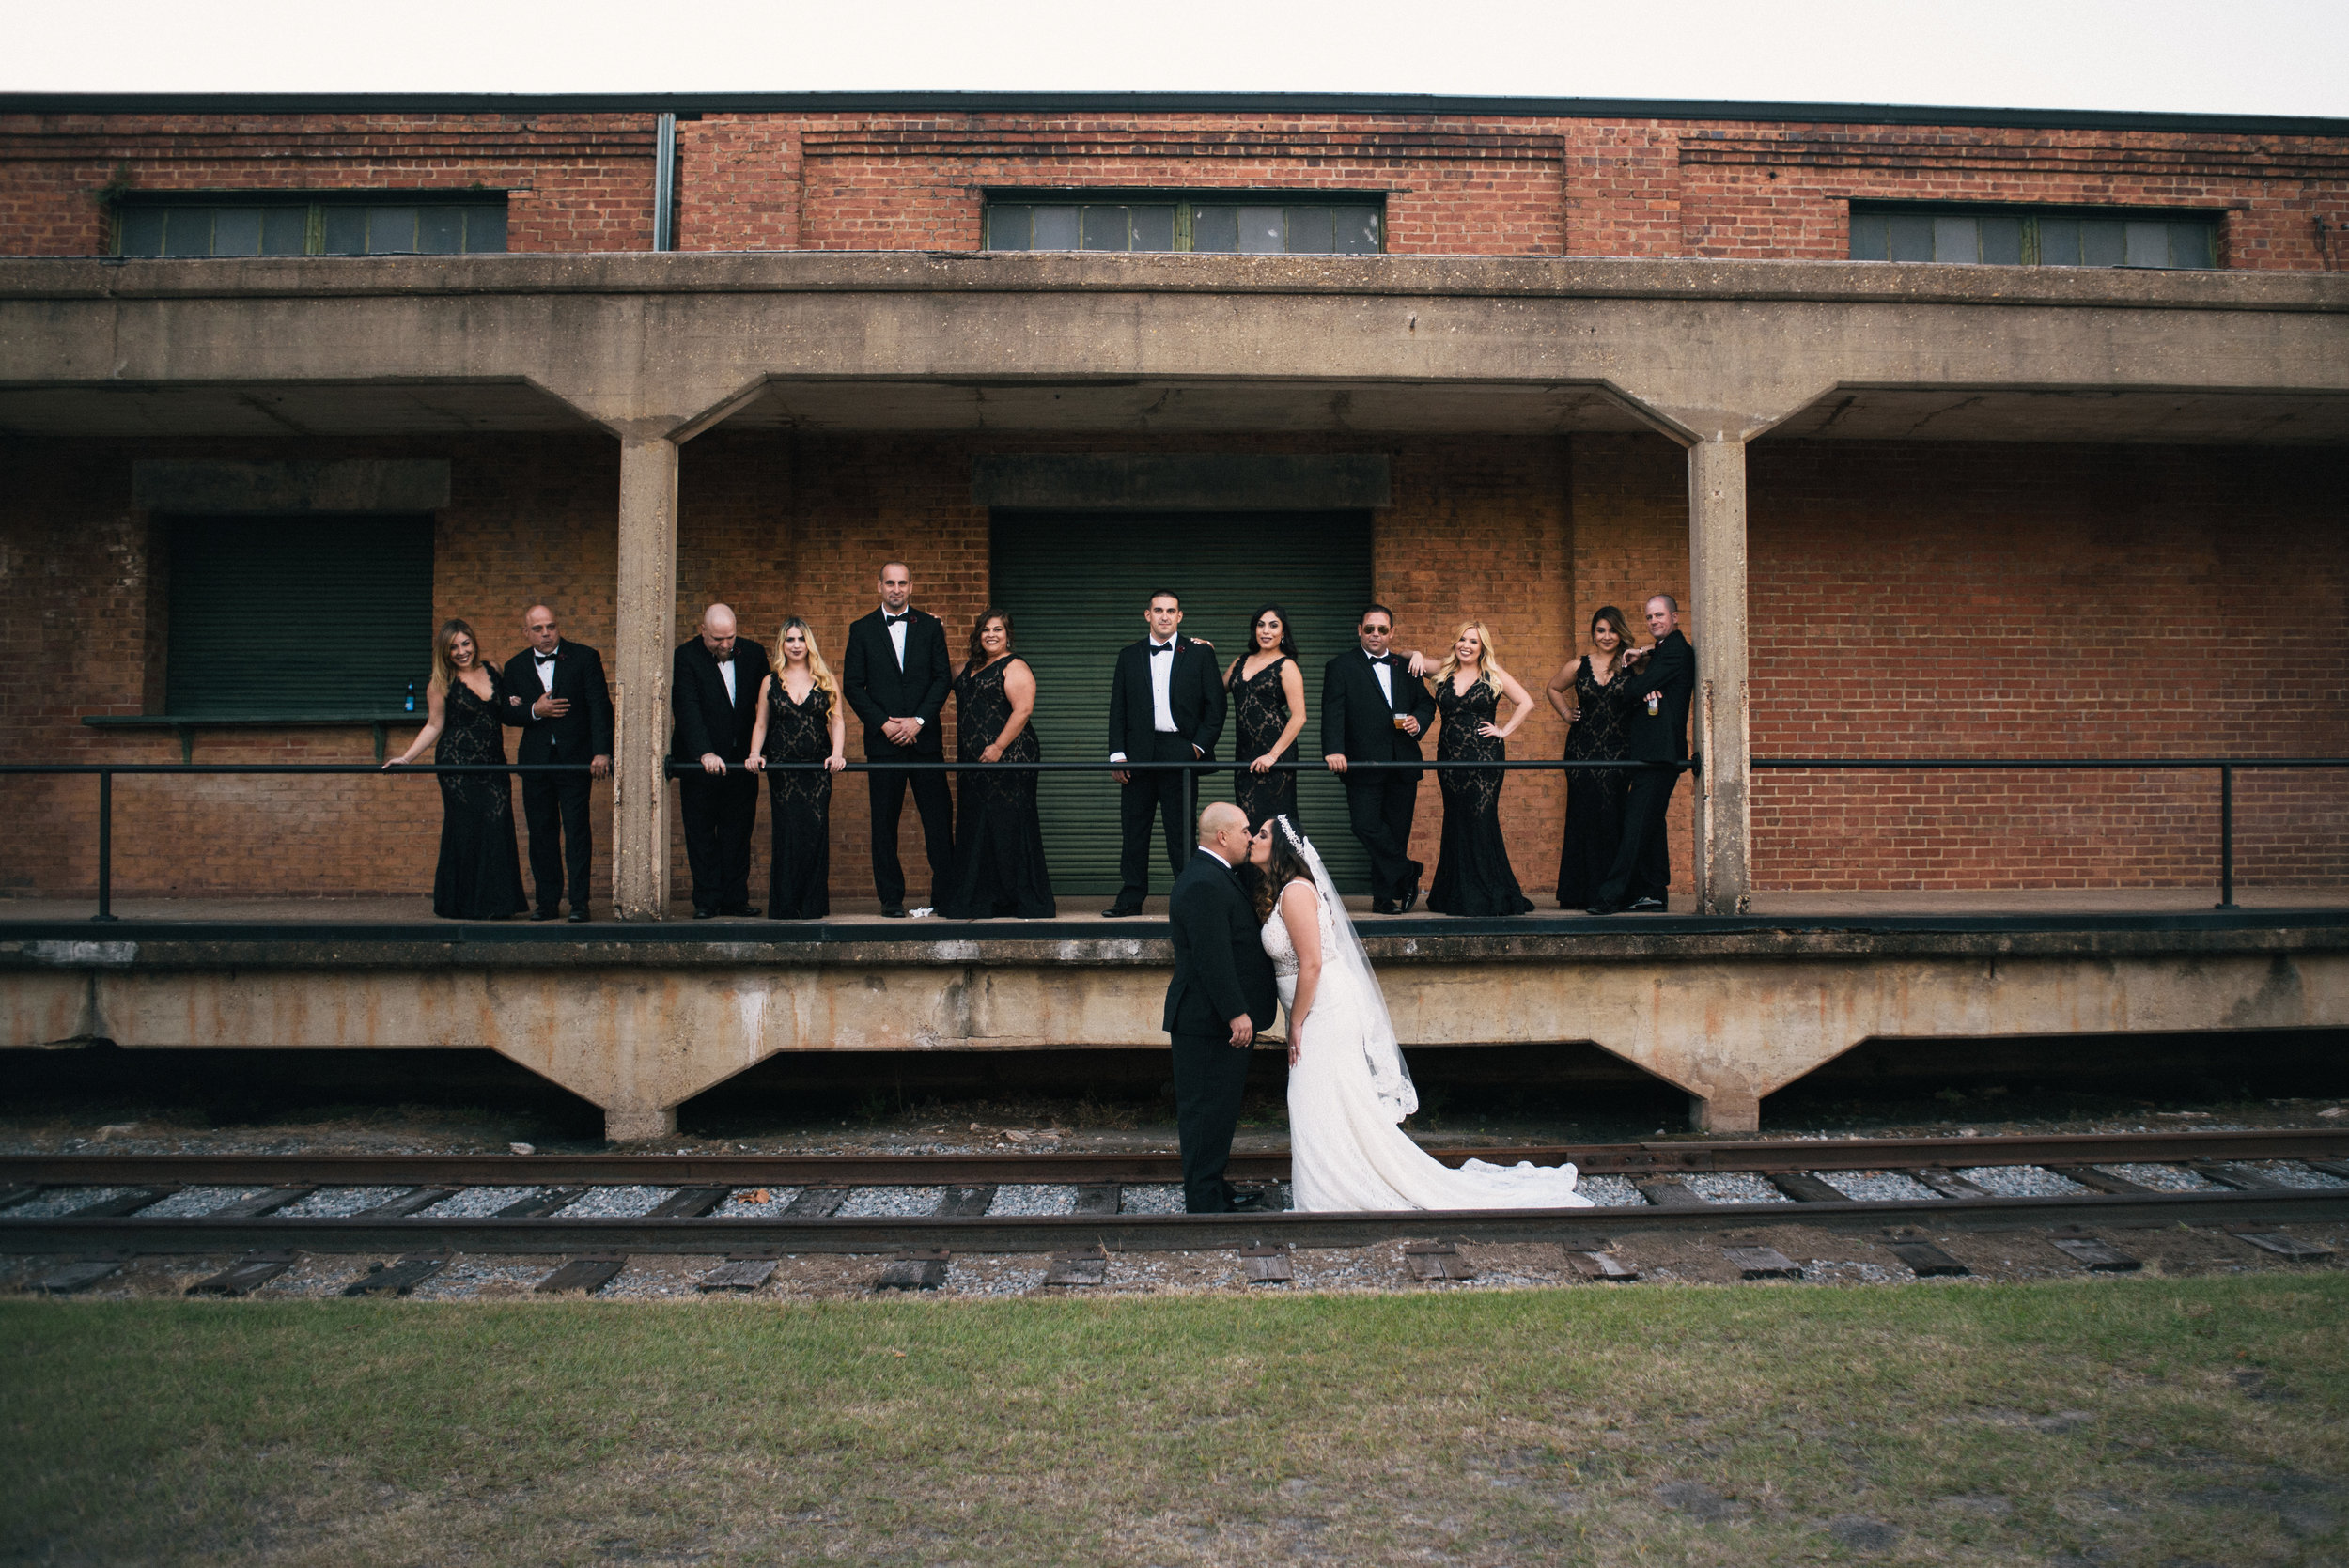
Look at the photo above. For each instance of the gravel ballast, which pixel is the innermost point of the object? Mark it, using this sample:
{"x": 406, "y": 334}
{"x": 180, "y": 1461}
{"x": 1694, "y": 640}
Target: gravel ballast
{"x": 615, "y": 1203}
{"x": 2164, "y": 1178}
{"x": 1034, "y": 1200}
{"x": 868, "y": 1202}
{"x": 2021, "y": 1181}
{"x": 1879, "y": 1186}
{"x": 1732, "y": 1187}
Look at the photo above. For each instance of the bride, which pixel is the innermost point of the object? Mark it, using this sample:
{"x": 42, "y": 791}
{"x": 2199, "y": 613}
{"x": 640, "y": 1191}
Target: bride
{"x": 1348, "y": 1085}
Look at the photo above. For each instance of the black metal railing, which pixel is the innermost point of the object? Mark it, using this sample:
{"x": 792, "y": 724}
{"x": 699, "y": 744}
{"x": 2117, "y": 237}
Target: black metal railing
{"x": 2225, "y": 768}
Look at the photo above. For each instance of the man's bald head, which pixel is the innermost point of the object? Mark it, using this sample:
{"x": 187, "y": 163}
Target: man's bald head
{"x": 1223, "y": 828}
{"x": 718, "y": 631}
{"x": 541, "y": 627}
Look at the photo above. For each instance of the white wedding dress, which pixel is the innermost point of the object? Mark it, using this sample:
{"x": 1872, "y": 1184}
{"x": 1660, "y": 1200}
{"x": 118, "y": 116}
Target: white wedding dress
{"x": 1350, "y": 1089}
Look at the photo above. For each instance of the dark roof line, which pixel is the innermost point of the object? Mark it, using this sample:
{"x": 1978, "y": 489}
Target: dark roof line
{"x": 1160, "y": 103}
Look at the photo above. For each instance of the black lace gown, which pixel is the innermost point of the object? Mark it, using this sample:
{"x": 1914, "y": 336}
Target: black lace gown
{"x": 1260, "y": 711}
{"x": 1595, "y": 800}
{"x": 1472, "y": 874}
{"x": 799, "y": 877}
{"x": 480, "y": 875}
{"x": 999, "y": 841}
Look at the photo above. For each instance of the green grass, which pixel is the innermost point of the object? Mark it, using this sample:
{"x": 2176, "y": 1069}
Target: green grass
{"x": 2147, "y": 1421}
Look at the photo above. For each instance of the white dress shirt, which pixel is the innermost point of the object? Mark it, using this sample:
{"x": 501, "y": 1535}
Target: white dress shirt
{"x": 545, "y": 665}
{"x": 1161, "y": 693}
{"x": 897, "y": 630}
{"x": 1218, "y": 859}
{"x": 1386, "y": 676}
{"x": 725, "y": 668}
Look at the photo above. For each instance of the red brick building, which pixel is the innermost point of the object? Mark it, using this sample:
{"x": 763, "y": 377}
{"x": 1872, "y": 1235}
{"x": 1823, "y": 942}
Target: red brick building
{"x": 2072, "y": 489}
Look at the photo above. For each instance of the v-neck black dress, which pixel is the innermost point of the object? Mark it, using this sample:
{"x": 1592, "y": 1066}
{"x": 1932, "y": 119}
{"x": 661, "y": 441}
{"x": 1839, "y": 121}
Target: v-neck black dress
{"x": 799, "y": 877}
{"x": 1595, "y": 799}
{"x": 480, "y": 874}
{"x": 1260, "y": 711}
{"x": 1472, "y": 873}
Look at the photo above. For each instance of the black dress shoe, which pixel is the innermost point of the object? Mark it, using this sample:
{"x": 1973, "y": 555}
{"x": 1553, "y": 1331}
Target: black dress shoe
{"x": 1648, "y": 905}
{"x": 1119, "y": 911}
{"x": 1604, "y": 909}
{"x": 1410, "y": 899}
{"x": 1247, "y": 1203}
{"x": 700, "y": 913}
{"x": 750, "y": 910}
{"x": 1385, "y": 906}
{"x": 577, "y": 917}
{"x": 544, "y": 914}
{"x": 896, "y": 911}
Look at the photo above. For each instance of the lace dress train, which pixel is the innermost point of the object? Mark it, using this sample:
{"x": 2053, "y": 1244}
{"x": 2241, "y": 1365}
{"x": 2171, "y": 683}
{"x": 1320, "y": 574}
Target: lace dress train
{"x": 1346, "y": 1151}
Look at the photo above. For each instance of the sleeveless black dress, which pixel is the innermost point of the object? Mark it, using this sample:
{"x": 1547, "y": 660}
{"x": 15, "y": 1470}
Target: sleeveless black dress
{"x": 799, "y": 878}
{"x": 1260, "y": 711}
{"x": 480, "y": 874}
{"x": 1595, "y": 800}
{"x": 999, "y": 840}
{"x": 1472, "y": 874}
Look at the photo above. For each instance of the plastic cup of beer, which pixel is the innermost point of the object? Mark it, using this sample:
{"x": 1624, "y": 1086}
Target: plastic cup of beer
{"x": 1654, "y": 704}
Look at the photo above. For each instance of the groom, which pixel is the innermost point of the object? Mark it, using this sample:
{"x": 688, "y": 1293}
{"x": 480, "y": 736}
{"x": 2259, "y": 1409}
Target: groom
{"x": 1222, "y": 994}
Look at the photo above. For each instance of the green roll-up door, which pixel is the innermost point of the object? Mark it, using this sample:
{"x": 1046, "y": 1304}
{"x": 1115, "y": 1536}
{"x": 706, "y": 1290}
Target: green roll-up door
{"x": 304, "y": 615}
{"x": 1076, "y": 584}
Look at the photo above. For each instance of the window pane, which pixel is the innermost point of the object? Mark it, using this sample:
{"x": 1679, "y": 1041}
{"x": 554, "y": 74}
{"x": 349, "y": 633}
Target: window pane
{"x": 1007, "y": 228}
{"x": 2058, "y": 242}
{"x": 285, "y": 230}
{"x": 1105, "y": 228}
{"x": 1867, "y": 237}
{"x": 1263, "y": 230}
{"x": 1153, "y": 227}
{"x": 1215, "y": 229}
{"x": 1355, "y": 230}
{"x": 2002, "y": 241}
{"x": 485, "y": 229}
{"x": 141, "y": 231}
{"x": 1308, "y": 230}
{"x": 441, "y": 230}
{"x": 2103, "y": 243}
{"x": 391, "y": 230}
{"x": 346, "y": 230}
{"x": 1055, "y": 228}
{"x": 1956, "y": 239}
{"x": 188, "y": 231}
{"x": 1909, "y": 238}
{"x": 2191, "y": 245}
{"x": 236, "y": 231}
{"x": 2149, "y": 244}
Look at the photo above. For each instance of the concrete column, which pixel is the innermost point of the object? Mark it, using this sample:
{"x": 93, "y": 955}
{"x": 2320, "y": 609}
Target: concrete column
{"x": 638, "y": 1124}
{"x": 640, "y": 696}
{"x": 1716, "y": 625}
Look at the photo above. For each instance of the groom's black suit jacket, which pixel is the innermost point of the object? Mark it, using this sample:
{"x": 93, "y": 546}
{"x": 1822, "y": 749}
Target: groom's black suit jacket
{"x": 1357, "y": 722}
{"x": 1220, "y": 966}
{"x": 879, "y": 690}
{"x": 1194, "y": 695}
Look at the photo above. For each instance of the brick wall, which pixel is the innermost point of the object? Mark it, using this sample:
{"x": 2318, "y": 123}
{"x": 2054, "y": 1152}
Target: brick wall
{"x": 1452, "y": 184}
{"x": 575, "y": 182}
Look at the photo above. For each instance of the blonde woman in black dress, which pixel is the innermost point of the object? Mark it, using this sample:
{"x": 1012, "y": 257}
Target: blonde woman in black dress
{"x": 999, "y": 840}
{"x": 1267, "y": 705}
{"x": 1589, "y": 698}
{"x": 1472, "y": 874}
{"x": 480, "y": 872}
{"x": 801, "y": 719}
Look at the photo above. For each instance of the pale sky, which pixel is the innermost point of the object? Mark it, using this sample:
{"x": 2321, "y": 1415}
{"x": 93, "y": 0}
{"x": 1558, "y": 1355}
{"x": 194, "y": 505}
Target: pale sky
{"x": 2248, "y": 57}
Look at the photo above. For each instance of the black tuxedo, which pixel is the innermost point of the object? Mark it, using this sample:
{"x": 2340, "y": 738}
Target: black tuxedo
{"x": 1642, "y": 866}
{"x": 555, "y": 805}
{"x": 1220, "y": 972}
{"x": 1357, "y": 722}
{"x": 879, "y": 689}
{"x": 1195, "y": 697}
{"x": 719, "y": 810}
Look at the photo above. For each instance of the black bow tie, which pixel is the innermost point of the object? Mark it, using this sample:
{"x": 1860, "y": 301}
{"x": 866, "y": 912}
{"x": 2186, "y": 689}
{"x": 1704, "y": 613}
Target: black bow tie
{"x": 543, "y": 657}
{"x": 1157, "y": 648}
{"x": 888, "y": 619}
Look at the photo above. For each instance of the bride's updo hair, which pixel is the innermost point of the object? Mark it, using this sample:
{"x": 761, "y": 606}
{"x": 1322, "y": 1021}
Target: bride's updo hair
{"x": 1287, "y": 865}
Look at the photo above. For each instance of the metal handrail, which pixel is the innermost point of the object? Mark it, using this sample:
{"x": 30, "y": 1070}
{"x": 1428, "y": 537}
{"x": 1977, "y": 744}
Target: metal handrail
{"x": 2225, "y": 767}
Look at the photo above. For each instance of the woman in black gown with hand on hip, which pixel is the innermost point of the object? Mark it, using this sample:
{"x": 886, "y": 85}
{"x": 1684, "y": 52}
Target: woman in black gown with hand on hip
{"x": 1268, "y": 698}
{"x": 1472, "y": 874}
{"x": 480, "y": 874}
{"x": 801, "y": 719}
{"x": 999, "y": 840}
{"x": 1589, "y": 698}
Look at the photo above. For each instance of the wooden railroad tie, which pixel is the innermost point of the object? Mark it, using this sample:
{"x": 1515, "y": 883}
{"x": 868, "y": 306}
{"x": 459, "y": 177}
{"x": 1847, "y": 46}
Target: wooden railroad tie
{"x": 124, "y": 1203}
{"x": 2268, "y": 1239}
{"x": 414, "y": 1202}
{"x": 588, "y": 1275}
{"x": 399, "y": 1278}
{"x": 690, "y": 1203}
{"x": 1096, "y": 1199}
{"x": 76, "y": 1275}
{"x": 2099, "y": 1257}
{"x": 965, "y": 1203}
{"x": 1922, "y": 1258}
{"x": 916, "y": 1269}
{"x": 1947, "y": 1183}
{"x": 538, "y": 1204}
{"x": 1669, "y": 1192}
{"x": 1088, "y": 1265}
{"x": 1594, "y": 1257}
{"x": 738, "y": 1274}
{"x": 2239, "y": 1178}
{"x": 1762, "y": 1263}
{"x": 247, "y": 1275}
{"x": 2100, "y": 1181}
{"x": 253, "y": 1206}
{"x": 816, "y": 1202}
{"x": 1266, "y": 1263}
{"x": 1804, "y": 1187}
{"x": 11, "y": 1196}
{"x": 1437, "y": 1260}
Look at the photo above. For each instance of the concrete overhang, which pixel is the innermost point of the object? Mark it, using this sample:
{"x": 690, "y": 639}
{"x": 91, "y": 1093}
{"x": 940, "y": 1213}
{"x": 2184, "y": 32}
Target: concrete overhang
{"x": 674, "y": 344}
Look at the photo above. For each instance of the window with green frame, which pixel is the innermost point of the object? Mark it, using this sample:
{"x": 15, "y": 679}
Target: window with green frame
{"x": 424, "y": 224}
{"x": 1231, "y": 222}
{"x": 2012, "y": 237}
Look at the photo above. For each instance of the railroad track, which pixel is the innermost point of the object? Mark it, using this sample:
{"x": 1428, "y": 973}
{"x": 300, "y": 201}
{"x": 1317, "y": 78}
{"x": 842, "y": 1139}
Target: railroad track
{"x": 116, "y": 1205}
